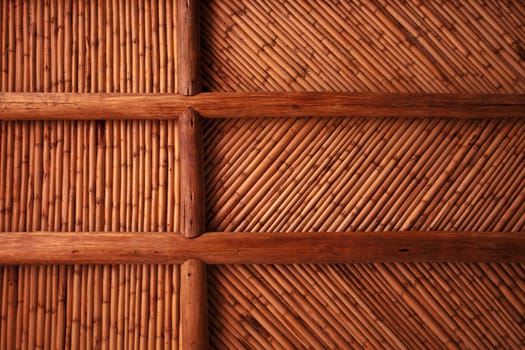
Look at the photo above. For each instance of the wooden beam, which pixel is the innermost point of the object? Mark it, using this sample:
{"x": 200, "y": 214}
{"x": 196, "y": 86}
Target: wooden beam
{"x": 188, "y": 47}
{"x": 59, "y": 106}
{"x": 260, "y": 248}
{"x": 193, "y": 293}
{"x": 194, "y": 305}
{"x": 193, "y": 207}
{"x": 330, "y": 104}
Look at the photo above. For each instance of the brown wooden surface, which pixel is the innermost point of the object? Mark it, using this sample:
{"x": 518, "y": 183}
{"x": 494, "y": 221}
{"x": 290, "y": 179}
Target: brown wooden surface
{"x": 194, "y": 305}
{"x": 260, "y": 248}
{"x": 57, "y": 106}
{"x": 194, "y": 295}
{"x": 193, "y": 215}
{"x": 188, "y": 47}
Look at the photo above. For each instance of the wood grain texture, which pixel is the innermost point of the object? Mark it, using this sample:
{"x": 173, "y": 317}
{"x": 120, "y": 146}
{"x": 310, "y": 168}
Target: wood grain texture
{"x": 194, "y": 305}
{"x": 188, "y": 47}
{"x": 192, "y": 193}
{"x": 194, "y": 296}
{"x": 260, "y": 248}
{"x": 58, "y": 106}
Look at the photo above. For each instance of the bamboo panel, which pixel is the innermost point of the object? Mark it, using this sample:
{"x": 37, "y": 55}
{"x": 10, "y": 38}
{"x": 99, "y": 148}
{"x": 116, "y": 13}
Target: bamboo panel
{"x": 73, "y": 176}
{"x": 282, "y": 175}
{"x": 346, "y": 175}
{"x": 368, "y": 45}
{"x": 356, "y": 175}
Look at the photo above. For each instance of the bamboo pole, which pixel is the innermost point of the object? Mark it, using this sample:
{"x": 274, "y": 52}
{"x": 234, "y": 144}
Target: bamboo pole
{"x": 101, "y": 106}
{"x": 262, "y": 248}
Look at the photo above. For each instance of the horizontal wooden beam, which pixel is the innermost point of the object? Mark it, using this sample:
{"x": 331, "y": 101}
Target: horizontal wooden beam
{"x": 260, "y": 248}
{"x": 45, "y": 106}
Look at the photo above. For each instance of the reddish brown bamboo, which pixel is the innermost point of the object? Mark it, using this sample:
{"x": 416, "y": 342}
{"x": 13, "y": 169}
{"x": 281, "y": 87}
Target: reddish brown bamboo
{"x": 260, "y": 248}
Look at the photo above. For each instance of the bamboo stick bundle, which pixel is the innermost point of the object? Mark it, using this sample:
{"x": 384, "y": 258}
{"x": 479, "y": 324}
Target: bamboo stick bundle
{"x": 140, "y": 47}
{"x": 273, "y": 148}
{"x": 303, "y": 175}
{"x": 285, "y": 289}
{"x": 380, "y": 175}
{"x": 11, "y": 49}
{"x": 338, "y": 335}
{"x": 471, "y": 277}
{"x": 472, "y": 307}
{"x": 3, "y": 162}
{"x": 370, "y": 275}
{"x": 401, "y": 182}
{"x": 469, "y": 177}
{"x": 433, "y": 150}
{"x": 112, "y": 51}
{"x": 232, "y": 319}
{"x": 147, "y": 176}
{"x": 385, "y": 339}
{"x": 438, "y": 168}
{"x": 480, "y": 188}
{"x": 511, "y": 185}
{"x": 219, "y": 148}
{"x": 378, "y": 153}
{"x": 350, "y": 173}
{"x": 479, "y": 134}
{"x": 350, "y": 284}
{"x": 3, "y": 309}
{"x": 412, "y": 299}
{"x": 493, "y": 172}
{"x": 302, "y": 171}
{"x": 438, "y": 308}
{"x": 353, "y": 173}
{"x": 474, "y": 333}
{"x": 505, "y": 315}
{"x": 9, "y": 166}
{"x": 226, "y": 336}
{"x": 24, "y": 181}
{"x": 135, "y": 339}
{"x": 404, "y": 157}
{"x": 3, "y": 47}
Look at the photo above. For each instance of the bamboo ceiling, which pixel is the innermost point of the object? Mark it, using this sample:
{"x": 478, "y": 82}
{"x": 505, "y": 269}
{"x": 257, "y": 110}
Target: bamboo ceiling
{"x": 267, "y": 174}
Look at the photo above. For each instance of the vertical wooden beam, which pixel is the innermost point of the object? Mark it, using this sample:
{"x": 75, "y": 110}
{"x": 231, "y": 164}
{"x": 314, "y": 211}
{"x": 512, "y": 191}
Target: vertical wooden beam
{"x": 193, "y": 218}
{"x": 193, "y": 293}
{"x": 194, "y": 305}
{"x": 188, "y": 47}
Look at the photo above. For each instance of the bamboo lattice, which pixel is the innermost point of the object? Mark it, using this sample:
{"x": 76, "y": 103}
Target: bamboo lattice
{"x": 266, "y": 174}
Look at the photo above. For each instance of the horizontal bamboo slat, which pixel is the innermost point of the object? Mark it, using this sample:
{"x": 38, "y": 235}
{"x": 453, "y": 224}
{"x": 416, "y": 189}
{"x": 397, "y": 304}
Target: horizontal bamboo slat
{"x": 260, "y": 248}
{"x": 58, "y": 106}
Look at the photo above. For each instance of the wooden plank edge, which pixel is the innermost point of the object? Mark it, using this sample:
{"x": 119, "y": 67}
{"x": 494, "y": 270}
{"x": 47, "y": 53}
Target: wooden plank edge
{"x": 260, "y": 248}
{"x": 60, "y": 106}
